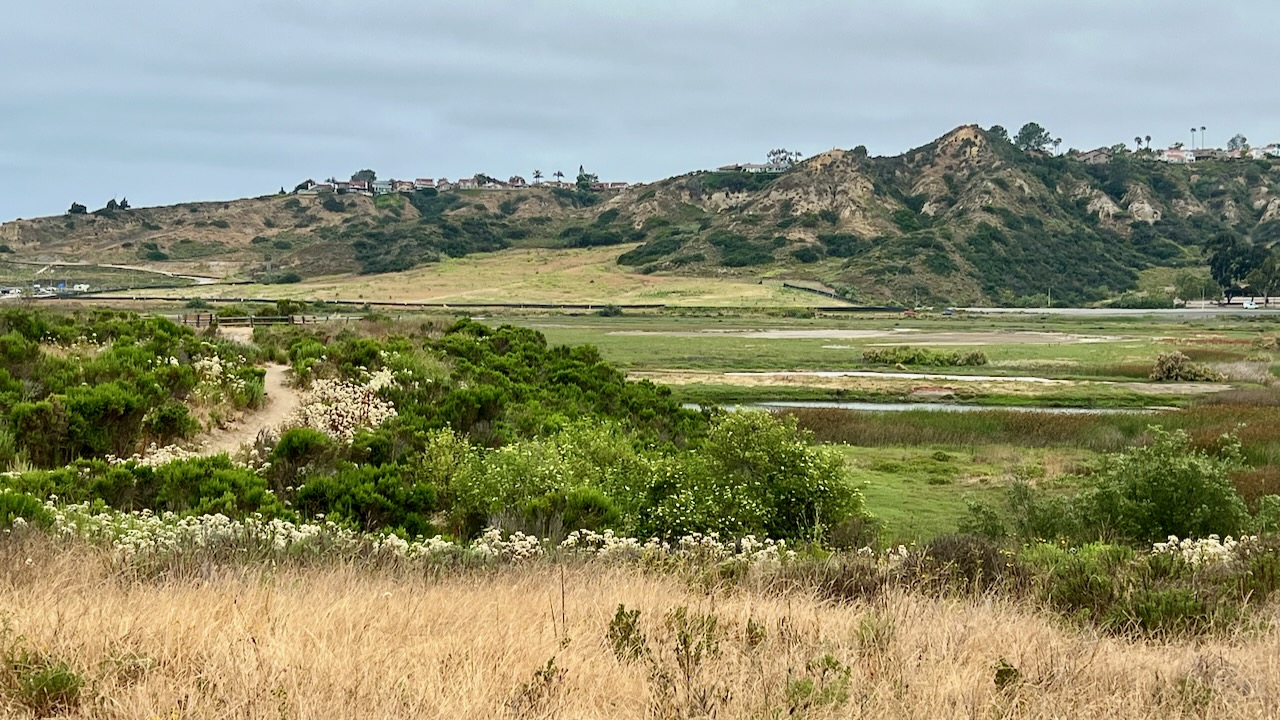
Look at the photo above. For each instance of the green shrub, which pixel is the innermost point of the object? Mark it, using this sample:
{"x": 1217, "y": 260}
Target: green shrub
{"x": 806, "y": 255}
{"x": 923, "y": 356}
{"x": 1166, "y": 488}
{"x": 755, "y": 473}
{"x": 44, "y": 685}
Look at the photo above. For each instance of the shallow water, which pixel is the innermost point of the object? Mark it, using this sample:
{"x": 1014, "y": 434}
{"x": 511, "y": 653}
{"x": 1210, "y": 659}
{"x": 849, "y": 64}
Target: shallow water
{"x": 934, "y": 407}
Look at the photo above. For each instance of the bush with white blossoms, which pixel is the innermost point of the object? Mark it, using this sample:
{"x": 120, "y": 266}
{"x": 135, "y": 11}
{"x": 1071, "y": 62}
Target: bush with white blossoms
{"x": 339, "y": 408}
{"x": 1206, "y": 552}
{"x": 145, "y": 536}
{"x": 155, "y": 456}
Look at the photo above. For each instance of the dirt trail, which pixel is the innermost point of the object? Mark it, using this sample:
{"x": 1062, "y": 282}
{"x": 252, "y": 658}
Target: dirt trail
{"x": 282, "y": 400}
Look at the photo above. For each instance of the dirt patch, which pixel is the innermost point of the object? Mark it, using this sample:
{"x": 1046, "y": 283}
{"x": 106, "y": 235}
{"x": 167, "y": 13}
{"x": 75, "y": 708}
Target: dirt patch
{"x": 1173, "y": 388}
{"x": 282, "y": 400}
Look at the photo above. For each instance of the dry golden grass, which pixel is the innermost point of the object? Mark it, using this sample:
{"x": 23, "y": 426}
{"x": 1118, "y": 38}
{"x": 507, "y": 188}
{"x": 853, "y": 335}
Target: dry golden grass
{"x": 524, "y": 275}
{"x": 344, "y": 642}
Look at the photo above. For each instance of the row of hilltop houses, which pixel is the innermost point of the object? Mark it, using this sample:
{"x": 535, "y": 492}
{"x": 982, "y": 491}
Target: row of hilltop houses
{"x": 479, "y": 182}
{"x": 1181, "y": 155}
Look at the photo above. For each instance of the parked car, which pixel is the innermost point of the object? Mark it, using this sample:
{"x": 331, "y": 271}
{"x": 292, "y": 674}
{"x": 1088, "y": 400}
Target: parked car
{"x": 1250, "y": 305}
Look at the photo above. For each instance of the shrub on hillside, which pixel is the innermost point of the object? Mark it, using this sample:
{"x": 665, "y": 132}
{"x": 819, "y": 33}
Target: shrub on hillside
{"x": 1177, "y": 367}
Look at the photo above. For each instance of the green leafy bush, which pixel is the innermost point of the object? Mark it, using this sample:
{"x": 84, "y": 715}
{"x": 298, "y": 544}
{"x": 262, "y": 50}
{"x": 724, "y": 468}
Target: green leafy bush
{"x": 923, "y": 356}
{"x": 1166, "y": 488}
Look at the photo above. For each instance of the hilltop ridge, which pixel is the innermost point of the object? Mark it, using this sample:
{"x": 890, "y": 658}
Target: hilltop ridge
{"x": 969, "y": 217}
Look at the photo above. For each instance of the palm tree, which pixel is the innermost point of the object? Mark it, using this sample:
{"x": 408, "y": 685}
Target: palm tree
{"x": 537, "y": 176}
{"x": 1057, "y": 143}
{"x": 1201, "y": 136}
{"x": 1193, "y": 138}
{"x": 1138, "y": 141}
{"x": 559, "y": 176}
{"x": 1148, "y": 142}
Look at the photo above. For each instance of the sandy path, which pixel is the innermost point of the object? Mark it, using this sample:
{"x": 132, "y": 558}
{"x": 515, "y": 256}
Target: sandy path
{"x": 282, "y": 400}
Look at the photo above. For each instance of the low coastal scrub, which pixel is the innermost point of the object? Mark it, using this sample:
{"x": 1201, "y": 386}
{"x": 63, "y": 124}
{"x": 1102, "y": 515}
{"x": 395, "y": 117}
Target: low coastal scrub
{"x": 103, "y": 382}
{"x": 923, "y": 357}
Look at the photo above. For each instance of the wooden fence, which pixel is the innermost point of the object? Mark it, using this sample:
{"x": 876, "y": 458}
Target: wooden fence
{"x": 204, "y": 320}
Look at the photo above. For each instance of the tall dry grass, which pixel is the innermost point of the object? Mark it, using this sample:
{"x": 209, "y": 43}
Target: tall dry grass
{"x": 347, "y": 642}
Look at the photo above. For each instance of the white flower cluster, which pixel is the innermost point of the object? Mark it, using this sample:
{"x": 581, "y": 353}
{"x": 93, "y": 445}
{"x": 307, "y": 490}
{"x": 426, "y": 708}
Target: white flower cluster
{"x": 516, "y": 547}
{"x": 145, "y": 536}
{"x": 893, "y": 557}
{"x": 339, "y": 408}
{"x": 155, "y": 456}
{"x": 695, "y": 546}
{"x": 208, "y": 369}
{"x": 84, "y": 345}
{"x": 379, "y": 379}
{"x": 1206, "y": 552}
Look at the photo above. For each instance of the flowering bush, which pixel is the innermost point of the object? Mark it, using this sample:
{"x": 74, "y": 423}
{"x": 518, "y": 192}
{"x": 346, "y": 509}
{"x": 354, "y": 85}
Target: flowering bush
{"x": 1206, "y": 552}
{"x": 339, "y": 408}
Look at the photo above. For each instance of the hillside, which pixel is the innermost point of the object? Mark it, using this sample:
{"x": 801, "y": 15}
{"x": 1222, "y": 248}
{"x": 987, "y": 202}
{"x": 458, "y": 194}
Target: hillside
{"x": 968, "y": 218}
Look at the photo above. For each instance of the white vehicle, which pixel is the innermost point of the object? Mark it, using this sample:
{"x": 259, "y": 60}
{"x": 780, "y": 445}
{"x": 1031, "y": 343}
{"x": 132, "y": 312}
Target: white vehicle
{"x": 1250, "y": 305}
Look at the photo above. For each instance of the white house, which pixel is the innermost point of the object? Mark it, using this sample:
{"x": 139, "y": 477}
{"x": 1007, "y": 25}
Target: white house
{"x": 424, "y": 183}
{"x": 1179, "y": 156}
{"x": 382, "y": 187}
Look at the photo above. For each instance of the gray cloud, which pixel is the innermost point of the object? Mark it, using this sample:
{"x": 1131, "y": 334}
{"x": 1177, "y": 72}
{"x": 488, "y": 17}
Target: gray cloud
{"x": 171, "y": 101}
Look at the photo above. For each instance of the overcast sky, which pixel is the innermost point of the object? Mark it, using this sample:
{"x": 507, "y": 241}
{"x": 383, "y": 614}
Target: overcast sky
{"x": 165, "y": 101}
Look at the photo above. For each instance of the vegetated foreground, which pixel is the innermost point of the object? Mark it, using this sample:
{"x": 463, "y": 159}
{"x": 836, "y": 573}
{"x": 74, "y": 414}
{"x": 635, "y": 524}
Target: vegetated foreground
{"x": 339, "y": 641}
{"x": 386, "y": 550}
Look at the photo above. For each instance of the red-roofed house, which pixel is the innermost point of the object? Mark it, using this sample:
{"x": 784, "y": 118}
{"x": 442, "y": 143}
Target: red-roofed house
{"x": 424, "y": 183}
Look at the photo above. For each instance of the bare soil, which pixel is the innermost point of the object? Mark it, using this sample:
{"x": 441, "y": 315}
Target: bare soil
{"x": 282, "y": 400}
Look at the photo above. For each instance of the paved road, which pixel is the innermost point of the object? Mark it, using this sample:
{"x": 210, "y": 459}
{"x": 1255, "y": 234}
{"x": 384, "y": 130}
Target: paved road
{"x": 1213, "y": 311}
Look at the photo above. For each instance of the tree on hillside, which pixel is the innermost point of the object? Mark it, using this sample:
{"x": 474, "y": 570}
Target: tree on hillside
{"x": 1138, "y": 141}
{"x": 559, "y": 176}
{"x": 585, "y": 179}
{"x": 1032, "y": 137}
{"x": 1057, "y": 143}
{"x": 999, "y": 133}
{"x": 537, "y": 176}
{"x": 1239, "y": 142}
{"x": 112, "y": 205}
{"x": 782, "y": 157}
{"x": 1148, "y": 142}
{"x": 78, "y": 209}
{"x": 516, "y": 180}
{"x": 124, "y": 203}
{"x": 860, "y": 152}
{"x": 364, "y": 176}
